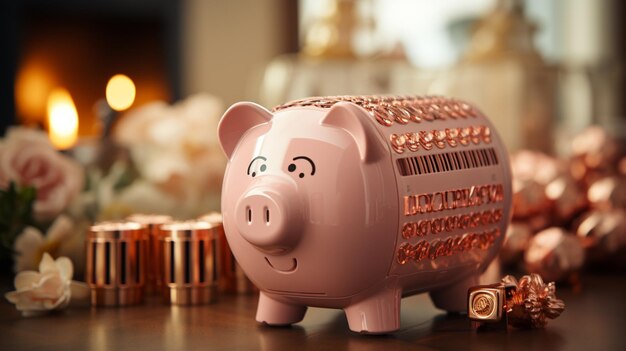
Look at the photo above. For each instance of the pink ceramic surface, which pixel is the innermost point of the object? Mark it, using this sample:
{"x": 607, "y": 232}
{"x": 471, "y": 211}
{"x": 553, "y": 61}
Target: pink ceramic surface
{"x": 331, "y": 205}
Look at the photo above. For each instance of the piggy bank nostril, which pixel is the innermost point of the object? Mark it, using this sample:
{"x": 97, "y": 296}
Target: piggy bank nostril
{"x": 267, "y": 216}
{"x": 249, "y": 214}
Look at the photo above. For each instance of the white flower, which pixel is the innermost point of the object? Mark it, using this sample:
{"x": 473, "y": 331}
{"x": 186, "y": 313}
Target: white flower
{"x": 175, "y": 149}
{"x": 170, "y": 141}
{"x": 139, "y": 197}
{"x": 31, "y": 243}
{"x": 49, "y": 289}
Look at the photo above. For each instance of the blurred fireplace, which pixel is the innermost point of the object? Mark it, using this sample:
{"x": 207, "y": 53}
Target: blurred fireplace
{"x": 78, "y": 45}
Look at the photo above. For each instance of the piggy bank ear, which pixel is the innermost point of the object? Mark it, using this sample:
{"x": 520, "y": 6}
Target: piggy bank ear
{"x": 358, "y": 124}
{"x": 237, "y": 120}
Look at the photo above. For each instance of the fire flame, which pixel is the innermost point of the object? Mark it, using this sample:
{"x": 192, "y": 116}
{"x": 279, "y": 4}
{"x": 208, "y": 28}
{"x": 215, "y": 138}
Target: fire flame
{"x": 62, "y": 119}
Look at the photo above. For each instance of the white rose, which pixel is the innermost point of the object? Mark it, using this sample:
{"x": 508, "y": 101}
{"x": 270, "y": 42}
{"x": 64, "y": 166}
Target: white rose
{"x": 31, "y": 243}
{"x": 49, "y": 289}
{"x": 175, "y": 148}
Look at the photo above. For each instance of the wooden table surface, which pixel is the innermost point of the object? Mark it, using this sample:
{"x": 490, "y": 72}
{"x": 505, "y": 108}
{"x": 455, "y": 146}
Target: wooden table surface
{"x": 594, "y": 319}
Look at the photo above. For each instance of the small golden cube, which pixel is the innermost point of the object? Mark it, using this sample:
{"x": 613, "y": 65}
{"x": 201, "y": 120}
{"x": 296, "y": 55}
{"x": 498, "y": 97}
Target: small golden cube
{"x": 485, "y": 304}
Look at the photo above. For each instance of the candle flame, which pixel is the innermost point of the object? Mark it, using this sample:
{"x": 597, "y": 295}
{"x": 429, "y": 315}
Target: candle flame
{"x": 62, "y": 119}
{"x": 120, "y": 92}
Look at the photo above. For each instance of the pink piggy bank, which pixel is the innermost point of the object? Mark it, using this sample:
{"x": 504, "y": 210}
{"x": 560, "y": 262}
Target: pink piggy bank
{"x": 353, "y": 202}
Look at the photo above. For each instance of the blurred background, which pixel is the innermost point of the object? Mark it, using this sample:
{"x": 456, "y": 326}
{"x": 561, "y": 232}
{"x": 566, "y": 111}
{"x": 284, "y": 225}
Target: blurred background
{"x": 131, "y": 91}
{"x": 265, "y": 51}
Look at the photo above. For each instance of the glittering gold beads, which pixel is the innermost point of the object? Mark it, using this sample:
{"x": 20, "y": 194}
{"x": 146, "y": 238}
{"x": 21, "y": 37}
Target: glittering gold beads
{"x": 442, "y": 138}
{"x": 387, "y": 110}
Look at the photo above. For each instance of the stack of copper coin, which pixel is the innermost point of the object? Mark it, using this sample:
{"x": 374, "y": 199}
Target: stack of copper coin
{"x": 153, "y": 223}
{"x": 232, "y": 278}
{"x": 116, "y": 263}
{"x": 189, "y": 257}
{"x": 153, "y": 253}
{"x": 569, "y": 213}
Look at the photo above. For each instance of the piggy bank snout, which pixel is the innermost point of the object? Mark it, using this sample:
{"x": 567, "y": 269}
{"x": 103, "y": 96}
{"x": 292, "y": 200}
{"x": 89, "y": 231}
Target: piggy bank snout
{"x": 268, "y": 218}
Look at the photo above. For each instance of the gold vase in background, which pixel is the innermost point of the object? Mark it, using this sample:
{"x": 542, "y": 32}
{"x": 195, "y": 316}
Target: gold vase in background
{"x": 503, "y": 73}
{"x": 339, "y": 56}
{"x": 331, "y": 35}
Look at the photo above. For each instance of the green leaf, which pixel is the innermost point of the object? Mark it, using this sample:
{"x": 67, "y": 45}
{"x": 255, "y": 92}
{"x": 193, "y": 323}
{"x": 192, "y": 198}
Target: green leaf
{"x": 16, "y": 213}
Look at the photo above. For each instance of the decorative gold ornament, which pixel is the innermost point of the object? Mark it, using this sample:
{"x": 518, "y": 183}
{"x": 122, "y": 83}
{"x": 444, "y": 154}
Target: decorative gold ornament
{"x": 533, "y": 302}
{"x": 527, "y": 303}
{"x": 389, "y": 109}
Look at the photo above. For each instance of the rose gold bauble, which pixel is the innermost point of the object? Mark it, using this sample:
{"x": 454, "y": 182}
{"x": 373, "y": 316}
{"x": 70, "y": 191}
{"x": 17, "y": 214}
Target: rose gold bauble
{"x": 608, "y": 193}
{"x": 532, "y": 172}
{"x": 603, "y": 234}
{"x": 554, "y": 254}
{"x": 567, "y": 197}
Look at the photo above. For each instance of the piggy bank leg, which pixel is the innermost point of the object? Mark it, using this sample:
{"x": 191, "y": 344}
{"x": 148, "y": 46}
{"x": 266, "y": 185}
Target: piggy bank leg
{"x": 278, "y": 313}
{"x": 453, "y": 298}
{"x": 377, "y": 314}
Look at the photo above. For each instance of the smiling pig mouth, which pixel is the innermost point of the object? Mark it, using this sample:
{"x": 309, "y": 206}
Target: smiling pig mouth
{"x": 289, "y": 268}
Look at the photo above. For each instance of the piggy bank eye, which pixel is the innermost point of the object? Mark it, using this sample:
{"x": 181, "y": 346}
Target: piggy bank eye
{"x": 259, "y": 162}
{"x": 303, "y": 167}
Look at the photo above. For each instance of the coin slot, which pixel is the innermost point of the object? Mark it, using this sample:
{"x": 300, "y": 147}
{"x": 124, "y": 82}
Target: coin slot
{"x": 94, "y": 252}
{"x": 123, "y": 263}
{"x": 139, "y": 258}
{"x": 202, "y": 260}
{"x": 107, "y": 263}
{"x": 187, "y": 262}
{"x": 172, "y": 262}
